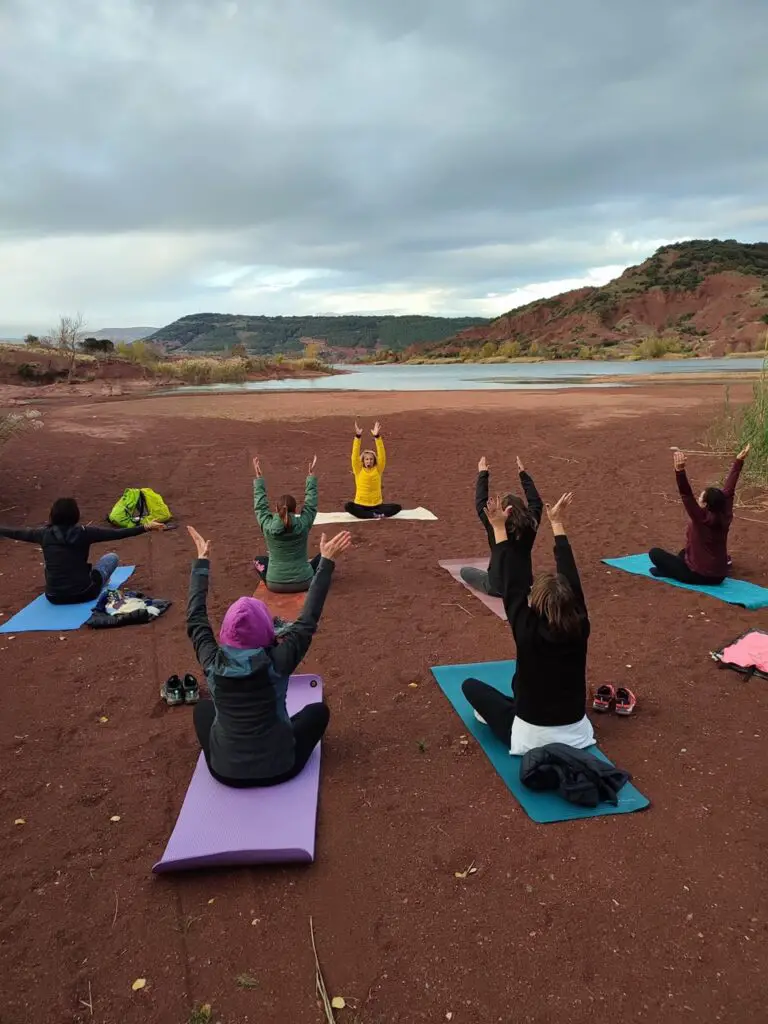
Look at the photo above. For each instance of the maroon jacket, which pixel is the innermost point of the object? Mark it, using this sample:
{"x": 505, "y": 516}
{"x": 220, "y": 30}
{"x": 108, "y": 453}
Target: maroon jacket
{"x": 706, "y": 541}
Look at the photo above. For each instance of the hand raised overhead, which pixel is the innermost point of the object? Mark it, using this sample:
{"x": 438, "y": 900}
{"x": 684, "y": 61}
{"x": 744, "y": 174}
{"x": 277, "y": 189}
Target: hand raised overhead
{"x": 556, "y": 513}
{"x": 331, "y": 549}
{"x": 203, "y": 546}
{"x": 495, "y": 513}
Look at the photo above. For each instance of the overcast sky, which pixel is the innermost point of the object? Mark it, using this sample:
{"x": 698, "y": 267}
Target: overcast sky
{"x": 338, "y": 156}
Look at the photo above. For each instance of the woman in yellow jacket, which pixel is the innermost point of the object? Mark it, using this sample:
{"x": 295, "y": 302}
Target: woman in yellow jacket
{"x": 368, "y": 467}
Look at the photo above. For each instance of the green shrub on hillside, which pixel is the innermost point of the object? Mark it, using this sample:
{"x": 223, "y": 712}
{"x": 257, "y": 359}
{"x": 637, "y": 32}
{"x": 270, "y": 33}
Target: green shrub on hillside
{"x": 655, "y": 347}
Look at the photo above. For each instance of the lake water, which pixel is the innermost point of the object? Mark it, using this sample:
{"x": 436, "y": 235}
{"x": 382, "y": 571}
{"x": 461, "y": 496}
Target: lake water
{"x": 489, "y": 376}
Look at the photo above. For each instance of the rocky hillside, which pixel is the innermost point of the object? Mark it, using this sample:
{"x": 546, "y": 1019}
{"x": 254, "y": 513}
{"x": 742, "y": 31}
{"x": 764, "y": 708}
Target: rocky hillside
{"x": 703, "y": 297}
{"x": 340, "y": 337}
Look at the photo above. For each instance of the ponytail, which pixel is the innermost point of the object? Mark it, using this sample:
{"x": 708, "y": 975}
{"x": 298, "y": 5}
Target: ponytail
{"x": 286, "y": 507}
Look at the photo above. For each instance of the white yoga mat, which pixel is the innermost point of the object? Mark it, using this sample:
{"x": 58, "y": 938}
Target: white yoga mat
{"x": 344, "y": 517}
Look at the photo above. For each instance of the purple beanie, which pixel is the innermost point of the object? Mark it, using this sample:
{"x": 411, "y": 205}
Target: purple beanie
{"x": 247, "y": 625}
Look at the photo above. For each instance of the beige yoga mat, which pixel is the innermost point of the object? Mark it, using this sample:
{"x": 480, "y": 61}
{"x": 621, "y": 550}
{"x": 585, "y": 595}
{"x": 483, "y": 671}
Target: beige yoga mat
{"x": 454, "y": 566}
{"x": 344, "y": 517}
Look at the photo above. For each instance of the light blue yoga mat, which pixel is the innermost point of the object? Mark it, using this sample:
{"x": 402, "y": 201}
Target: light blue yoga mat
{"x": 748, "y": 595}
{"x": 42, "y": 616}
{"x": 541, "y": 807}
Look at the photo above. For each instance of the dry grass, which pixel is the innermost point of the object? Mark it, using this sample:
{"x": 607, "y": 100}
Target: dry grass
{"x": 13, "y": 423}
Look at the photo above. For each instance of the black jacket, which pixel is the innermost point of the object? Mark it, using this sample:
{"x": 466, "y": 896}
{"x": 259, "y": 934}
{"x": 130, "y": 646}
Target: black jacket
{"x": 578, "y": 777}
{"x": 252, "y": 736}
{"x": 520, "y": 547}
{"x": 69, "y": 578}
{"x": 550, "y": 681}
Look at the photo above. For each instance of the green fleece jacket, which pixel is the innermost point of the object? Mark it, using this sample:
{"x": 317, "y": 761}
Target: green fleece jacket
{"x": 287, "y": 549}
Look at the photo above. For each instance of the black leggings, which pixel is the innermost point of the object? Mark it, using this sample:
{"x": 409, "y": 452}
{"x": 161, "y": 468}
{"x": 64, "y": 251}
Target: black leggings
{"x": 308, "y": 727}
{"x": 674, "y": 567}
{"x": 497, "y": 709}
{"x": 286, "y": 588}
{"x": 384, "y": 510}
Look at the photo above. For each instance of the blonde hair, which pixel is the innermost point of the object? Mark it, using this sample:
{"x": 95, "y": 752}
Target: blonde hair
{"x": 552, "y": 597}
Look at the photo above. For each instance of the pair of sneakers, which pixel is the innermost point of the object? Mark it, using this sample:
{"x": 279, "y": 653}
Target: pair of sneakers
{"x": 180, "y": 691}
{"x": 621, "y": 699}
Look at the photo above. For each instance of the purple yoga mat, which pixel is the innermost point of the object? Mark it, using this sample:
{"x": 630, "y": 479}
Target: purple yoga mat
{"x": 219, "y": 826}
{"x": 453, "y": 565}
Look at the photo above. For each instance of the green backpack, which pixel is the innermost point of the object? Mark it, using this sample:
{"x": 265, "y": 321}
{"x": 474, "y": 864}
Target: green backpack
{"x": 138, "y": 506}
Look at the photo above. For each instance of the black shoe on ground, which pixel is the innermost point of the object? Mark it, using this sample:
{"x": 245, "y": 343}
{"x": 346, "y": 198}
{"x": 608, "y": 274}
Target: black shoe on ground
{"x": 190, "y": 689}
{"x": 172, "y": 691}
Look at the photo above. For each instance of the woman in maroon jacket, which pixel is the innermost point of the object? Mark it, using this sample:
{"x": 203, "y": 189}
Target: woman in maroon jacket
{"x": 704, "y": 559}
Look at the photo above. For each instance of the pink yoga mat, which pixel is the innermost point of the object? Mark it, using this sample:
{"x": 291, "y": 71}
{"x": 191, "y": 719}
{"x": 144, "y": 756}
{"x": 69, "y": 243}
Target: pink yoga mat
{"x": 453, "y": 565}
{"x": 219, "y": 826}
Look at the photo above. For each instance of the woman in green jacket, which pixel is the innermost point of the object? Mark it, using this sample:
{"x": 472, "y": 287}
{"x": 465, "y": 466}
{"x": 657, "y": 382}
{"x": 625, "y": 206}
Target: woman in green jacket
{"x": 286, "y": 569}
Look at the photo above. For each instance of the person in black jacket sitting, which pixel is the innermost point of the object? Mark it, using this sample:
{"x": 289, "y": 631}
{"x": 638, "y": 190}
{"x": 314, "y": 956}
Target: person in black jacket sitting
{"x": 522, "y": 524}
{"x": 69, "y": 576}
{"x": 244, "y": 732}
{"x": 551, "y": 629}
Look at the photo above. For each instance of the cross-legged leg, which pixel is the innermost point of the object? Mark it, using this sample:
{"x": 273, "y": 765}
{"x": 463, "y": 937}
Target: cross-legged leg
{"x": 667, "y": 565}
{"x": 105, "y": 566}
{"x": 477, "y": 579}
{"x": 495, "y": 708}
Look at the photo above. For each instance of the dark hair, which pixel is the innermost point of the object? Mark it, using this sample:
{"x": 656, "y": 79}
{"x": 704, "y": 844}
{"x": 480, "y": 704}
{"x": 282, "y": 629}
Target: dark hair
{"x": 286, "y": 507}
{"x": 715, "y": 501}
{"x": 553, "y": 598}
{"x": 64, "y": 512}
{"x": 519, "y": 516}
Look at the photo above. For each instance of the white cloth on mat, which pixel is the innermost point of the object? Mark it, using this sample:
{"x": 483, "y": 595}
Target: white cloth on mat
{"x": 344, "y": 517}
{"x": 527, "y": 737}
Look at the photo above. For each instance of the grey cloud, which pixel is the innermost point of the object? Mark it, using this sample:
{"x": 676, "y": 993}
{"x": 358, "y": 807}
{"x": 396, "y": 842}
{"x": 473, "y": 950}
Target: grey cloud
{"x": 391, "y": 142}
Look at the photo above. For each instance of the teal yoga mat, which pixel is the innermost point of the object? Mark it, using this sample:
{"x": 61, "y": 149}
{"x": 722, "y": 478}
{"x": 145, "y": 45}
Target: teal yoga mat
{"x": 541, "y": 807}
{"x": 42, "y": 616}
{"x": 740, "y": 592}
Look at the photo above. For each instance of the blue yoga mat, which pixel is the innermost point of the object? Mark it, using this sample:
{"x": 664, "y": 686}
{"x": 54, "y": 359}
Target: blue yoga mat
{"x": 42, "y": 616}
{"x": 541, "y": 807}
{"x": 748, "y": 595}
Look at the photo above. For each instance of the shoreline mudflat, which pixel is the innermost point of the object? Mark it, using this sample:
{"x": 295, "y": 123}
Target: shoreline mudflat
{"x": 405, "y": 801}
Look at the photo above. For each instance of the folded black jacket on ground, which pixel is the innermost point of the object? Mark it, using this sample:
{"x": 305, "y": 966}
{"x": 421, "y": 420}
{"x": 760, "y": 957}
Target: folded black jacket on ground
{"x": 576, "y": 776}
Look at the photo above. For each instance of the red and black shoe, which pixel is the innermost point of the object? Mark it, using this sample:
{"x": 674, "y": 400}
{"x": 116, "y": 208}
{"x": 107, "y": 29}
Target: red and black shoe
{"x": 626, "y": 701}
{"x": 604, "y": 697}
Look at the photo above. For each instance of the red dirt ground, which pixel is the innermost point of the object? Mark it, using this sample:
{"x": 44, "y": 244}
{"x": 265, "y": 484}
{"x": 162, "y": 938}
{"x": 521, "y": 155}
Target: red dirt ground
{"x": 656, "y": 917}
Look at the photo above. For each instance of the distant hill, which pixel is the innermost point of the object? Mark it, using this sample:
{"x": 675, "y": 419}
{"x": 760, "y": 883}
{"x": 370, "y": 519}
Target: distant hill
{"x": 706, "y": 297}
{"x": 117, "y": 334}
{"x": 343, "y": 337}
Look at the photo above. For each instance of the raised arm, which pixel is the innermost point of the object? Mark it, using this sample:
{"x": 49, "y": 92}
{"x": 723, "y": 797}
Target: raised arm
{"x": 381, "y": 453}
{"x": 296, "y": 641}
{"x": 198, "y": 626}
{"x": 691, "y": 506}
{"x": 481, "y": 490}
{"x": 309, "y": 511}
{"x": 532, "y": 496}
{"x": 356, "y": 462}
{"x": 514, "y": 590}
{"x": 30, "y": 534}
{"x": 729, "y": 487}
{"x": 261, "y": 503}
{"x": 564, "y": 560}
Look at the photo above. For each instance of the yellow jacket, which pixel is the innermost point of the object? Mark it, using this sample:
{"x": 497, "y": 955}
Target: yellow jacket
{"x": 368, "y": 481}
